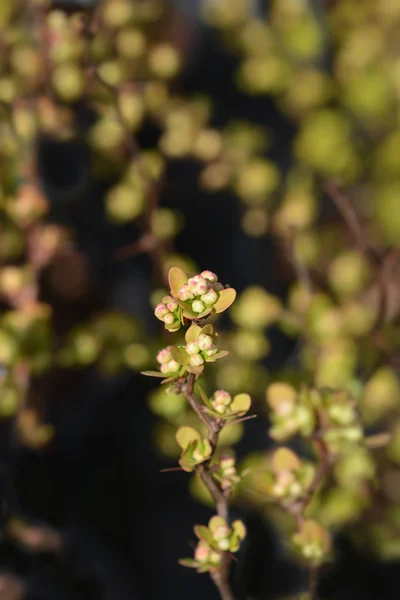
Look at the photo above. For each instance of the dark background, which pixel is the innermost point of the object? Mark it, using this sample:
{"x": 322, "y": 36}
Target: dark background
{"x": 123, "y": 523}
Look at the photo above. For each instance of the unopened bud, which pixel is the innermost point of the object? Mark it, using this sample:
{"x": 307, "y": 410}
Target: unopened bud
{"x": 198, "y": 285}
{"x": 205, "y": 342}
{"x": 164, "y": 356}
{"x": 222, "y": 397}
{"x": 169, "y": 319}
{"x": 170, "y": 367}
{"x": 160, "y": 311}
{"x": 209, "y": 298}
{"x": 202, "y": 551}
{"x": 210, "y": 276}
{"x": 196, "y": 360}
{"x": 172, "y": 306}
{"x": 198, "y": 306}
{"x": 184, "y": 293}
{"x": 191, "y": 348}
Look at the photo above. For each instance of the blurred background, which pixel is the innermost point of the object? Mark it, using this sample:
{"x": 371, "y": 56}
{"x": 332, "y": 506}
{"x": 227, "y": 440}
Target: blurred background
{"x": 257, "y": 139}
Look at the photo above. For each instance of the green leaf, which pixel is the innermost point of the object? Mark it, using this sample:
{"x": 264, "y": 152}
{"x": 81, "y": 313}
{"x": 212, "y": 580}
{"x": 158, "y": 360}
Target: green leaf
{"x": 186, "y": 462}
{"x": 204, "y": 534}
{"x": 184, "y": 305}
{"x": 280, "y": 392}
{"x": 179, "y": 354}
{"x": 206, "y": 448}
{"x": 192, "y": 333}
{"x": 239, "y": 528}
{"x": 153, "y": 373}
{"x": 226, "y": 298}
{"x": 241, "y": 404}
{"x": 185, "y": 435}
{"x": 285, "y": 459}
{"x": 176, "y": 278}
{"x": 220, "y": 354}
{"x": 203, "y": 395}
{"x": 216, "y": 522}
{"x": 208, "y": 329}
{"x": 188, "y": 562}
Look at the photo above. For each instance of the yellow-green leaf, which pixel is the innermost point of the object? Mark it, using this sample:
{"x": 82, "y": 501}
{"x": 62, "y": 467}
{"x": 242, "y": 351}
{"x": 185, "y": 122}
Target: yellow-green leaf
{"x": 240, "y": 404}
{"x": 226, "y": 298}
{"x": 285, "y": 459}
{"x": 186, "y": 435}
{"x": 176, "y": 278}
{"x": 192, "y": 333}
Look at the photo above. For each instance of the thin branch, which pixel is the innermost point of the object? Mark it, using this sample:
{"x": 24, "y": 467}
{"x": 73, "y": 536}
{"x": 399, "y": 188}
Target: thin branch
{"x": 220, "y": 577}
{"x": 349, "y": 215}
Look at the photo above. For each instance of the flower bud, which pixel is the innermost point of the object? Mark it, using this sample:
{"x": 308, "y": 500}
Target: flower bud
{"x": 196, "y": 360}
{"x": 169, "y": 319}
{"x": 223, "y": 397}
{"x": 160, "y": 311}
{"x": 202, "y": 551}
{"x": 170, "y": 367}
{"x": 210, "y": 276}
{"x": 198, "y": 306}
{"x": 221, "y": 536}
{"x": 209, "y": 298}
{"x": 164, "y": 356}
{"x": 227, "y": 462}
{"x": 221, "y": 401}
{"x": 218, "y": 287}
{"x": 191, "y": 348}
{"x": 172, "y": 306}
{"x": 184, "y": 293}
{"x": 204, "y": 342}
{"x": 175, "y": 326}
{"x": 198, "y": 285}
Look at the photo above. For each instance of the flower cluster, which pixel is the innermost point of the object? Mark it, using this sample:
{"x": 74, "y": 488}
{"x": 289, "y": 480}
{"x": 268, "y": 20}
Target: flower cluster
{"x": 291, "y": 412}
{"x": 300, "y": 412}
{"x": 215, "y": 539}
{"x": 170, "y": 313}
{"x": 200, "y": 348}
{"x": 195, "y": 450}
{"x": 223, "y": 406}
{"x": 192, "y": 298}
{"x": 288, "y": 477}
{"x": 226, "y": 473}
{"x": 312, "y": 542}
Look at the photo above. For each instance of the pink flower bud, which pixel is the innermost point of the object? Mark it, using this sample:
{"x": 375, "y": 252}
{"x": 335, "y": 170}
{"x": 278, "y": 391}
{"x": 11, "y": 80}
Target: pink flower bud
{"x": 184, "y": 293}
{"x": 210, "y": 276}
{"x": 169, "y": 319}
{"x": 198, "y": 285}
{"x": 209, "y": 298}
{"x": 170, "y": 367}
{"x": 202, "y": 551}
{"x": 191, "y": 348}
{"x": 164, "y": 356}
{"x": 172, "y": 306}
{"x": 160, "y": 311}
{"x": 221, "y": 398}
{"x": 226, "y": 462}
{"x": 198, "y": 306}
{"x": 218, "y": 287}
{"x": 196, "y": 360}
{"x": 204, "y": 342}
